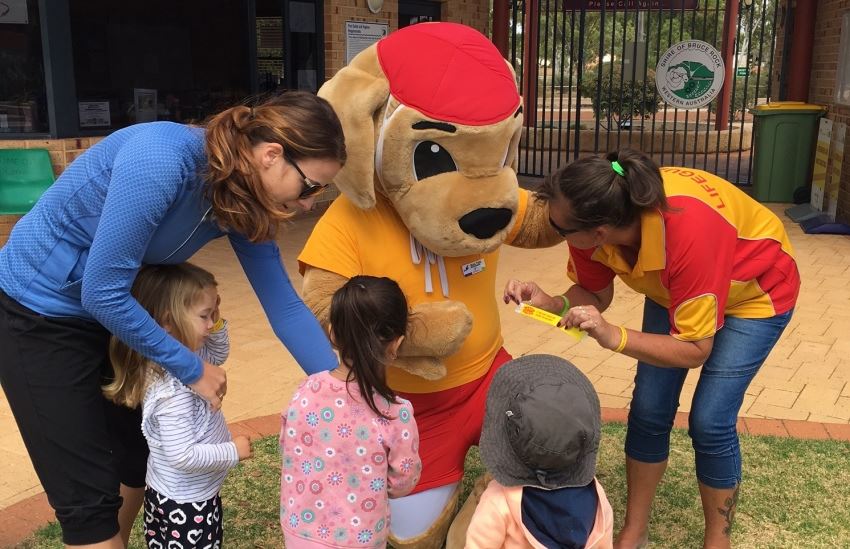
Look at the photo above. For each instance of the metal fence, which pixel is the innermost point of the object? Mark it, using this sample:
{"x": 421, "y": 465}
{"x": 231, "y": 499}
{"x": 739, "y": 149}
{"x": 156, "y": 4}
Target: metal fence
{"x": 586, "y": 71}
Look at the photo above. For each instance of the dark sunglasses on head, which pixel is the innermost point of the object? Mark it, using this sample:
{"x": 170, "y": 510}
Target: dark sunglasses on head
{"x": 310, "y": 187}
{"x": 562, "y": 231}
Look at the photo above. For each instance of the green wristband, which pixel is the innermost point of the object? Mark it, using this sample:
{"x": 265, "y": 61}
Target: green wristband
{"x": 566, "y": 305}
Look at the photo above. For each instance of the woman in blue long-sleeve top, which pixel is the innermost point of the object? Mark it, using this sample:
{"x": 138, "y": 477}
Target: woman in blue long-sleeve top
{"x": 148, "y": 194}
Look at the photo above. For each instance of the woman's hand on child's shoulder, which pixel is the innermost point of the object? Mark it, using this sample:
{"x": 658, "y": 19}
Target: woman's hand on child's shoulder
{"x": 243, "y": 447}
{"x": 212, "y": 385}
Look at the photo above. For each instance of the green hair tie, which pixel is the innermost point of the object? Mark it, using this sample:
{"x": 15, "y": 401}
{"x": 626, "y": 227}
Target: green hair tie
{"x": 618, "y": 169}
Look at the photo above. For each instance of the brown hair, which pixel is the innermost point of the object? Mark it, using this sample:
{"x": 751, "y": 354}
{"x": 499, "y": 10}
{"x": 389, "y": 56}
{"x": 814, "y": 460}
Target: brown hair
{"x": 166, "y": 292}
{"x": 367, "y": 314}
{"x": 600, "y": 196}
{"x": 304, "y": 124}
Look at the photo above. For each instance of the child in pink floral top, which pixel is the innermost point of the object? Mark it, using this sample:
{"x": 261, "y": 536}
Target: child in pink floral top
{"x": 348, "y": 442}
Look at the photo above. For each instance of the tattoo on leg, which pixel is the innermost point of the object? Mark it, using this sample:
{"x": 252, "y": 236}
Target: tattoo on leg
{"x": 728, "y": 511}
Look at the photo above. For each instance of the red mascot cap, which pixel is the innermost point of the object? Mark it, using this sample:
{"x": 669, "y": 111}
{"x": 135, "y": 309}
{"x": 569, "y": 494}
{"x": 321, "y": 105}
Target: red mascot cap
{"x": 449, "y": 72}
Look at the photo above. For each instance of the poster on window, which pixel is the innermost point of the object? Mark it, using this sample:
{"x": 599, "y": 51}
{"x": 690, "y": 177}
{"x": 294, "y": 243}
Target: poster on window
{"x": 144, "y": 101}
{"x": 360, "y": 35}
{"x": 14, "y": 12}
{"x": 94, "y": 114}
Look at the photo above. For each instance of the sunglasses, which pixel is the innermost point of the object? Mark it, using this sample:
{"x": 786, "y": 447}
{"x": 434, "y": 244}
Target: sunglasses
{"x": 562, "y": 231}
{"x": 310, "y": 187}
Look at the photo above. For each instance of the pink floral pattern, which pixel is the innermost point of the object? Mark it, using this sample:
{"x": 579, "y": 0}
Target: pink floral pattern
{"x": 336, "y": 450}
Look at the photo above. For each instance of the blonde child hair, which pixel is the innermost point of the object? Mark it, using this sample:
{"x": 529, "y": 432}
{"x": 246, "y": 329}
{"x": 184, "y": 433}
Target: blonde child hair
{"x": 166, "y": 292}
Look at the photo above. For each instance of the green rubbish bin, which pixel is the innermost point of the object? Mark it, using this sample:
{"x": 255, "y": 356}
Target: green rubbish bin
{"x": 785, "y": 133}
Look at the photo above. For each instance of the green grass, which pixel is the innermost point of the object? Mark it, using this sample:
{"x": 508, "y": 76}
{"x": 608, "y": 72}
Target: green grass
{"x": 794, "y": 495}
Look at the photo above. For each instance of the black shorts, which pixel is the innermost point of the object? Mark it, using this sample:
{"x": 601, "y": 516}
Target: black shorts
{"x": 81, "y": 445}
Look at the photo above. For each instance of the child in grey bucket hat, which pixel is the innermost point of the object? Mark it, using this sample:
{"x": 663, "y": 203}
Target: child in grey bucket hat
{"x": 540, "y": 440}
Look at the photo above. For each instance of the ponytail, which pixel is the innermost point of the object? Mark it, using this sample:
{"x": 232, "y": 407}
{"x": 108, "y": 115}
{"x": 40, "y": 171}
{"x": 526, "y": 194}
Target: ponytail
{"x": 367, "y": 314}
{"x": 603, "y": 193}
{"x": 304, "y": 124}
{"x": 642, "y": 179}
{"x": 227, "y": 142}
{"x": 234, "y": 186}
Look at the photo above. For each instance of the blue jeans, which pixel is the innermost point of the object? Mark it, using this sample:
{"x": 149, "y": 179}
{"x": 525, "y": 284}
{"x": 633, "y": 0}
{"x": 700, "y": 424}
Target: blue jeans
{"x": 740, "y": 348}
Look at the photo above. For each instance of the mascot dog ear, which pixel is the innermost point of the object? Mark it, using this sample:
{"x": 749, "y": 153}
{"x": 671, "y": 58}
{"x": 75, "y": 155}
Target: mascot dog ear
{"x": 515, "y": 142}
{"x": 358, "y": 94}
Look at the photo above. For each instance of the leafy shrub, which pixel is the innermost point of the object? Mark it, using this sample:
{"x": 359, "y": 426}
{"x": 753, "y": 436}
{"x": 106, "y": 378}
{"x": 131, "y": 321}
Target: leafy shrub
{"x": 616, "y": 103}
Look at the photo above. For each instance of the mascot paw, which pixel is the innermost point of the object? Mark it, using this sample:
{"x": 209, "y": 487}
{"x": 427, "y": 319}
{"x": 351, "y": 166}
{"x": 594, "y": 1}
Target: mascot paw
{"x": 423, "y": 366}
{"x": 439, "y": 328}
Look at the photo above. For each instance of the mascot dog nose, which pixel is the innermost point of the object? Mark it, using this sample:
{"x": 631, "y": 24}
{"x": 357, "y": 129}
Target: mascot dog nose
{"x": 485, "y": 222}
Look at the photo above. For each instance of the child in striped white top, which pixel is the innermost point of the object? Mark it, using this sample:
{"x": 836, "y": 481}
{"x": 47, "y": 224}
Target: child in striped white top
{"x": 191, "y": 449}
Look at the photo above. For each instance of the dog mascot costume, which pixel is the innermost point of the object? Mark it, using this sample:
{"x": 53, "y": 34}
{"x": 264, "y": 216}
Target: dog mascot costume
{"x": 432, "y": 120}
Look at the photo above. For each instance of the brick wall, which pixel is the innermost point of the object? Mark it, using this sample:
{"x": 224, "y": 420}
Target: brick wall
{"x": 475, "y": 13}
{"x": 822, "y": 84}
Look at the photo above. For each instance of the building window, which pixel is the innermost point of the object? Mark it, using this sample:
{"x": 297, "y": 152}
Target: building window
{"x": 411, "y": 12}
{"x": 23, "y": 99}
{"x": 158, "y": 59}
{"x": 842, "y": 81}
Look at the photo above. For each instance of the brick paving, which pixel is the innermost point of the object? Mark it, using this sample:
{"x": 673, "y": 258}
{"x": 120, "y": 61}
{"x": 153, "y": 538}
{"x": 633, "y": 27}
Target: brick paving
{"x": 801, "y": 391}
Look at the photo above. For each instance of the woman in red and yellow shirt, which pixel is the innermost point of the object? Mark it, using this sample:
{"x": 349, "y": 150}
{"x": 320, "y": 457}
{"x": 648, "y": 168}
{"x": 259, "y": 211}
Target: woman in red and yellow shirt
{"x": 720, "y": 281}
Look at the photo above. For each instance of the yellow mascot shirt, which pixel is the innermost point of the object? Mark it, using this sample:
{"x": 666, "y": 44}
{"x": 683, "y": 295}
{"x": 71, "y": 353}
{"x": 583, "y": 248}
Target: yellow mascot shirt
{"x": 350, "y": 241}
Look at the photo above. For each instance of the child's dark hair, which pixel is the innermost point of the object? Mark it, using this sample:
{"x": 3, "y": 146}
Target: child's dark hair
{"x": 367, "y": 314}
{"x": 599, "y": 196}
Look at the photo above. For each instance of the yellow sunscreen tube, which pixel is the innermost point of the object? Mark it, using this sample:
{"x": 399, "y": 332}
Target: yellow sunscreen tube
{"x": 549, "y": 318}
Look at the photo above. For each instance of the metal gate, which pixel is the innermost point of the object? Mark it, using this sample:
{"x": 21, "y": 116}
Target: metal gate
{"x": 586, "y": 70}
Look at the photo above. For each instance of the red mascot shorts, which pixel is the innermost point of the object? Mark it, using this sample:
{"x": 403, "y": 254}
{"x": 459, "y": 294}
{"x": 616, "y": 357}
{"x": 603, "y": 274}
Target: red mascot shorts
{"x": 449, "y": 424}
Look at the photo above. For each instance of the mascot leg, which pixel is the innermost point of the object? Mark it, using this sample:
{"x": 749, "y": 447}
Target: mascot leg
{"x": 456, "y": 538}
{"x": 421, "y": 521}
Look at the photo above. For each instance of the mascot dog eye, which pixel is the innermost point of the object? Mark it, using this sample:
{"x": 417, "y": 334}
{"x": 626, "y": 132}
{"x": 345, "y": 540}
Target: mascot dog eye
{"x": 430, "y": 159}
